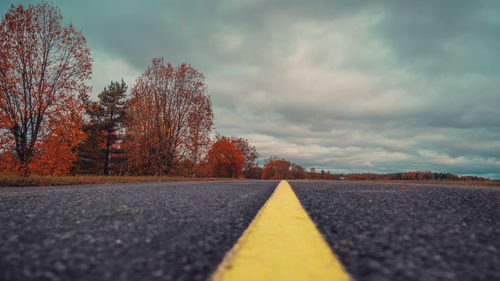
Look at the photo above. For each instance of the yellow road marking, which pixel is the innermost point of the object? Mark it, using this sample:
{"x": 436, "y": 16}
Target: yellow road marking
{"x": 281, "y": 243}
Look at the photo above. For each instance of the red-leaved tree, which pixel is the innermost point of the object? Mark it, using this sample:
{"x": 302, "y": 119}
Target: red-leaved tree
{"x": 248, "y": 152}
{"x": 198, "y": 140}
{"x": 169, "y": 115}
{"x": 276, "y": 169}
{"x": 43, "y": 68}
{"x": 224, "y": 159}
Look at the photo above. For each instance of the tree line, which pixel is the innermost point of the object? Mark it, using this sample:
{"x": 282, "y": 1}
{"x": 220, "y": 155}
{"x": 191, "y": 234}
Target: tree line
{"x": 282, "y": 169}
{"x": 50, "y": 126}
{"x": 416, "y": 176}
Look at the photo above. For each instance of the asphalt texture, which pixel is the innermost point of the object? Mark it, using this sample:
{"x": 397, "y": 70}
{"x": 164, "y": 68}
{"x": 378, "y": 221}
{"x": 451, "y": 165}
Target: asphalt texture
{"x": 145, "y": 231}
{"x": 421, "y": 232}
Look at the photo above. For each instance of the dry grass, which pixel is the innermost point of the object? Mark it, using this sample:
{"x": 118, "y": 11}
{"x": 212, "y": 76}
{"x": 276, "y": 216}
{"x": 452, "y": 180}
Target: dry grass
{"x": 13, "y": 180}
{"x": 444, "y": 182}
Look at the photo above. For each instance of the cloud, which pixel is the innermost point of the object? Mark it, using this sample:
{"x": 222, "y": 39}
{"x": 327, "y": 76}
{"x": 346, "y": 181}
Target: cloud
{"x": 347, "y": 86}
{"x": 107, "y": 68}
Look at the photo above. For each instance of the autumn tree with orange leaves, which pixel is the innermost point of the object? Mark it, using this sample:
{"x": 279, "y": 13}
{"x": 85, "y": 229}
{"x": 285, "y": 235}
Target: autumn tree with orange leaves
{"x": 276, "y": 169}
{"x": 198, "y": 139}
{"x": 225, "y": 160}
{"x": 248, "y": 152}
{"x": 43, "y": 68}
{"x": 168, "y": 120}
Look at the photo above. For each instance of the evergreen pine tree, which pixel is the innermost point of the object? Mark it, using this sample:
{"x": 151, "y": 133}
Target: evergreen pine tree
{"x": 105, "y": 121}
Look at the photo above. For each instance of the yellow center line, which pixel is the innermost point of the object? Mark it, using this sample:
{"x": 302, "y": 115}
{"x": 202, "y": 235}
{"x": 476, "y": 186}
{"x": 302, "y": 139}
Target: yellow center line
{"x": 281, "y": 243}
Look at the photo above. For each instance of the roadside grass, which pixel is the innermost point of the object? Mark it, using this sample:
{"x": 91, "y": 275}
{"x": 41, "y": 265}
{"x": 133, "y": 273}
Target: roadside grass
{"x": 15, "y": 180}
{"x": 442, "y": 182}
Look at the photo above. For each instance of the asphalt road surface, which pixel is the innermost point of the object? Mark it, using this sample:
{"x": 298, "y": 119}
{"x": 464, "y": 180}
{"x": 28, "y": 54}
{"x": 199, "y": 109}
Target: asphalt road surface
{"x": 147, "y": 231}
{"x": 382, "y": 232}
{"x": 181, "y": 230}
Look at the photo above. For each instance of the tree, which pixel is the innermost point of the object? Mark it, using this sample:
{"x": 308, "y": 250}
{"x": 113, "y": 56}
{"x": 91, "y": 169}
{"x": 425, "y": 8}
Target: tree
{"x": 248, "y": 152}
{"x": 43, "y": 68}
{"x": 105, "y": 119}
{"x": 112, "y": 104}
{"x": 90, "y": 151}
{"x": 200, "y": 122}
{"x": 276, "y": 169}
{"x": 297, "y": 172}
{"x": 57, "y": 151}
{"x": 225, "y": 160}
{"x": 253, "y": 173}
{"x": 160, "y": 118}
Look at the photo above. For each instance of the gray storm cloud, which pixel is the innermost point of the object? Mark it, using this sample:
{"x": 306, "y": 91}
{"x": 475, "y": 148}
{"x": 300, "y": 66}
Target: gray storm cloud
{"x": 347, "y": 86}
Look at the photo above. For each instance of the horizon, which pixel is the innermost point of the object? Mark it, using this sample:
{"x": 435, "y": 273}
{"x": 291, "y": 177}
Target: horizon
{"x": 342, "y": 87}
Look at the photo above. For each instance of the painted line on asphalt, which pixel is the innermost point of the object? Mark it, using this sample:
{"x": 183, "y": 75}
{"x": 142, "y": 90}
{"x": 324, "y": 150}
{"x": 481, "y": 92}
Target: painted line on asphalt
{"x": 281, "y": 243}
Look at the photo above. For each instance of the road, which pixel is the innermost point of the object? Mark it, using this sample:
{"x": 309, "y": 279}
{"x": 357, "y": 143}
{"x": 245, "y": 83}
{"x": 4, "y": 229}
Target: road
{"x": 147, "y": 231}
{"x": 181, "y": 230}
{"x": 383, "y": 232}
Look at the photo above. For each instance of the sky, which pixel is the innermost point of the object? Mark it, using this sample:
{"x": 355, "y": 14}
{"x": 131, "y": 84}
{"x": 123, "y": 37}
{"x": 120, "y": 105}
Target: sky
{"x": 341, "y": 85}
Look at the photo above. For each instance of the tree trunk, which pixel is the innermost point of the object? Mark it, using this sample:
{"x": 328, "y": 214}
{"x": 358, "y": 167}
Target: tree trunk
{"x": 107, "y": 154}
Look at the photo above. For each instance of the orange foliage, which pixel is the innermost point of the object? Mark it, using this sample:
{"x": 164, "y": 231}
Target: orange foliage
{"x": 57, "y": 150}
{"x": 169, "y": 105}
{"x": 321, "y": 176}
{"x": 225, "y": 160}
{"x": 248, "y": 152}
{"x": 200, "y": 122}
{"x": 8, "y": 163}
{"x": 43, "y": 66}
{"x": 276, "y": 169}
